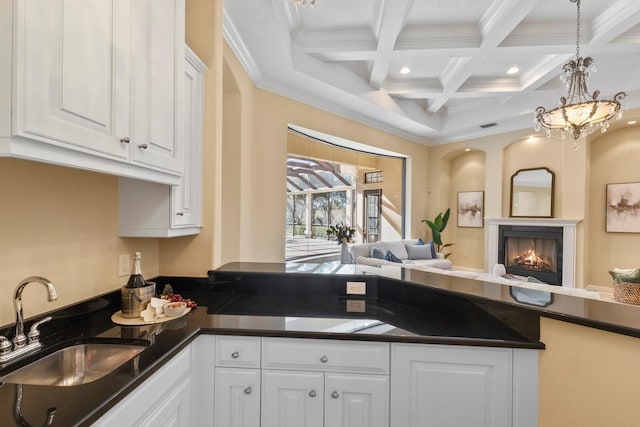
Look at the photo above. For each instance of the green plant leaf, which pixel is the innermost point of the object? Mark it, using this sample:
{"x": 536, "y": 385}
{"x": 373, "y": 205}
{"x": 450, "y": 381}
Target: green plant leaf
{"x": 445, "y": 219}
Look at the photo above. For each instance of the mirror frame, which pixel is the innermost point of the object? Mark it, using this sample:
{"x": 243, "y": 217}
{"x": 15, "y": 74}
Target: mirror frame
{"x": 553, "y": 178}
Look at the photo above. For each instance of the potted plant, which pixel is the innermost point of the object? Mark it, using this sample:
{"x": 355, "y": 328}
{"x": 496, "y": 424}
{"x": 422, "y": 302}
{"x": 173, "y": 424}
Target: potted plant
{"x": 437, "y": 226}
{"x": 343, "y": 234}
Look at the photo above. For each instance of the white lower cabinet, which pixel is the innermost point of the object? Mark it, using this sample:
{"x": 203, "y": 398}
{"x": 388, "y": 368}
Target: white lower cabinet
{"x": 324, "y": 383}
{"x": 458, "y": 386}
{"x": 292, "y": 399}
{"x": 294, "y": 382}
{"x": 162, "y": 400}
{"x": 237, "y": 397}
{"x": 354, "y": 400}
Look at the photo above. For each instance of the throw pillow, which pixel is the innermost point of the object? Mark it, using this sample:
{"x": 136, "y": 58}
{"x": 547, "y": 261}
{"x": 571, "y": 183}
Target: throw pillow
{"x": 397, "y": 248}
{"x": 419, "y": 251}
{"x": 391, "y": 257}
{"x": 433, "y": 249}
{"x": 377, "y": 253}
{"x": 420, "y": 242}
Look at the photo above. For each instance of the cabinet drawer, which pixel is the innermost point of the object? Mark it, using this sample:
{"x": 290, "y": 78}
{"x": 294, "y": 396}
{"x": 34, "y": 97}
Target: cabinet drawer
{"x": 238, "y": 352}
{"x": 325, "y": 355}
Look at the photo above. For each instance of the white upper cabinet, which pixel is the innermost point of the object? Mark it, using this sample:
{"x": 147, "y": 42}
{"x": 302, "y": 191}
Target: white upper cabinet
{"x": 148, "y": 209}
{"x": 95, "y": 84}
{"x": 157, "y": 70}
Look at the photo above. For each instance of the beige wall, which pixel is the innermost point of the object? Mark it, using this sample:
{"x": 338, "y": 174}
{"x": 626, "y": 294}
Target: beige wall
{"x": 265, "y": 117}
{"x": 588, "y": 377}
{"x": 62, "y": 224}
{"x": 467, "y": 174}
{"x": 615, "y": 158}
{"x": 194, "y": 255}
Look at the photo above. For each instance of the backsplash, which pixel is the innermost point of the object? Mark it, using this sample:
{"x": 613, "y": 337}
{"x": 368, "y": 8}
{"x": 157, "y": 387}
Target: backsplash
{"x": 62, "y": 224}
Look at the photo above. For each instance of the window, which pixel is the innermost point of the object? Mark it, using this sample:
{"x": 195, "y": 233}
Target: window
{"x": 373, "y": 177}
{"x": 327, "y": 184}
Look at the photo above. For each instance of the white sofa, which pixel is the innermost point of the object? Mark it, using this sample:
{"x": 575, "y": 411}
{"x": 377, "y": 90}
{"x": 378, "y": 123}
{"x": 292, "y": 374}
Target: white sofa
{"x": 409, "y": 251}
{"x": 521, "y": 282}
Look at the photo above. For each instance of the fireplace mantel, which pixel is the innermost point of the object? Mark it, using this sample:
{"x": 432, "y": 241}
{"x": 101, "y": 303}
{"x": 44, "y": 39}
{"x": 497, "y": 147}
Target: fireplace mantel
{"x": 568, "y": 250}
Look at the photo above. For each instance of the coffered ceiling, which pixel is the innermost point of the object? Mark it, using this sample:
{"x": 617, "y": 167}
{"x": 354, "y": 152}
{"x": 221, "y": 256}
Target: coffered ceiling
{"x": 345, "y": 56}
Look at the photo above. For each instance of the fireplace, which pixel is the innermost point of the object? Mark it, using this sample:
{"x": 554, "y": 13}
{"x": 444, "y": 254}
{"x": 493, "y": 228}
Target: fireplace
{"x": 532, "y": 251}
{"x": 566, "y": 260}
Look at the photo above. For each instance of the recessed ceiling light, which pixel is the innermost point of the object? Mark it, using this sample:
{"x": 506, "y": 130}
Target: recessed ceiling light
{"x": 513, "y": 70}
{"x": 632, "y": 122}
{"x": 405, "y": 70}
{"x": 467, "y": 149}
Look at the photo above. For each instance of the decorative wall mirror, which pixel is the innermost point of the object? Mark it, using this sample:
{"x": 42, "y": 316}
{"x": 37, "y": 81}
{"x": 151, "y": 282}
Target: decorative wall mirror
{"x": 532, "y": 193}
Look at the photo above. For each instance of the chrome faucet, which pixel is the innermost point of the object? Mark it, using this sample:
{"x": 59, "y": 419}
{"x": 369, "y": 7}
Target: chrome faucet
{"x": 20, "y": 345}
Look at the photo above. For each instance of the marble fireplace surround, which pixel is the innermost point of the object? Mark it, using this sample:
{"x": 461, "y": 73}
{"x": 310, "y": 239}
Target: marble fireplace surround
{"x": 568, "y": 237}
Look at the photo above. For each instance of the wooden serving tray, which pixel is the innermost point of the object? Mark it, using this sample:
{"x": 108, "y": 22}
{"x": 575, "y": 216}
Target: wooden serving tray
{"x": 118, "y": 319}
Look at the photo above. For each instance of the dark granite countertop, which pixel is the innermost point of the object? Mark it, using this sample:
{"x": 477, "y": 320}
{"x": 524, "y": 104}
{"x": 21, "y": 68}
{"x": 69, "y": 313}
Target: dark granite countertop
{"x": 600, "y": 314}
{"x": 265, "y": 303}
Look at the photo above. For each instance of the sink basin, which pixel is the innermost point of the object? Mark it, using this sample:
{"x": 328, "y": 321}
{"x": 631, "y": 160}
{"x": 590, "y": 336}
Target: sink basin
{"x": 74, "y": 365}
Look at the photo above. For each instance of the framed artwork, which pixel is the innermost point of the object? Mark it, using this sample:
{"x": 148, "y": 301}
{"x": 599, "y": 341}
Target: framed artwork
{"x": 623, "y": 208}
{"x": 471, "y": 209}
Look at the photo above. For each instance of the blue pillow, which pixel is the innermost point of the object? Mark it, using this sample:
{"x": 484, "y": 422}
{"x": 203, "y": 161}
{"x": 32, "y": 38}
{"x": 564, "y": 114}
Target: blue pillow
{"x": 391, "y": 257}
{"x": 420, "y": 242}
{"x": 376, "y": 253}
{"x": 433, "y": 249}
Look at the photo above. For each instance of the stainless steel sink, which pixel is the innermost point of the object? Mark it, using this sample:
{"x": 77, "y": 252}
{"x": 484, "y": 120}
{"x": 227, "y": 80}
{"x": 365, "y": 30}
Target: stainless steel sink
{"x": 74, "y": 365}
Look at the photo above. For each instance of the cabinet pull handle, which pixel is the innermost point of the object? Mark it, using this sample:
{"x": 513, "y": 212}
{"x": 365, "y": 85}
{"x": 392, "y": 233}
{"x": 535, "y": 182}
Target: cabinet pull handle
{"x": 335, "y": 395}
{"x": 125, "y": 140}
{"x": 180, "y": 213}
{"x": 143, "y": 146}
{"x": 247, "y": 390}
{"x": 324, "y": 359}
{"x": 312, "y": 393}
{"x": 235, "y": 355}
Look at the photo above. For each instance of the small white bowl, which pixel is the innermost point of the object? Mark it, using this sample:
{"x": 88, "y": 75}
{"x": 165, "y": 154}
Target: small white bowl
{"x": 174, "y": 309}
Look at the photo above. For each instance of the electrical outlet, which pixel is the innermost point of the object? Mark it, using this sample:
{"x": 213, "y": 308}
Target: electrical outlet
{"x": 356, "y": 306}
{"x": 356, "y": 288}
{"x": 124, "y": 265}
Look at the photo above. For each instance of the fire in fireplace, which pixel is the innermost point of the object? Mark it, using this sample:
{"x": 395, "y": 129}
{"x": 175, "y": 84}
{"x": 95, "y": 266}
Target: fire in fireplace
{"x": 531, "y": 254}
{"x": 532, "y": 251}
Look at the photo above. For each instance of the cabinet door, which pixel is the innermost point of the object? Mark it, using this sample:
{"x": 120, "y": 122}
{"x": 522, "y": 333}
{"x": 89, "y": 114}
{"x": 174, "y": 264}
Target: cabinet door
{"x": 71, "y": 74}
{"x": 450, "y": 386}
{"x": 356, "y": 400}
{"x": 142, "y": 404}
{"x": 186, "y": 197}
{"x": 157, "y": 70}
{"x": 174, "y": 410}
{"x": 237, "y": 397}
{"x": 292, "y": 399}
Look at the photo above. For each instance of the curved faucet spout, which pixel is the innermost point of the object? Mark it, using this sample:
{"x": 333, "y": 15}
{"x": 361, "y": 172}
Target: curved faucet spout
{"x": 20, "y": 339}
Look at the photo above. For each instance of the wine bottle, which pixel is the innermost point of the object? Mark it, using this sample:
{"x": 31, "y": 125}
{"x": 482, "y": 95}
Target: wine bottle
{"x": 136, "y": 280}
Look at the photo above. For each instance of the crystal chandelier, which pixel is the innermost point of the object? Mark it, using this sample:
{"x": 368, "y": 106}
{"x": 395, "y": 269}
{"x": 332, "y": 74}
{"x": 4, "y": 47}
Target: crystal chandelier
{"x": 304, "y": 3}
{"x": 580, "y": 113}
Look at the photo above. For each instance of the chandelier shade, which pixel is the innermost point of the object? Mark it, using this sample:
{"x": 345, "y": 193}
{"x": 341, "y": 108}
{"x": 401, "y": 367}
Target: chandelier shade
{"x": 580, "y": 113}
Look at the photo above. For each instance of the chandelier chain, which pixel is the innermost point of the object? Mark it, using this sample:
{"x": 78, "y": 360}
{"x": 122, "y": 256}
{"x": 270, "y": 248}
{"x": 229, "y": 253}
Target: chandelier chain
{"x": 578, "y": 30}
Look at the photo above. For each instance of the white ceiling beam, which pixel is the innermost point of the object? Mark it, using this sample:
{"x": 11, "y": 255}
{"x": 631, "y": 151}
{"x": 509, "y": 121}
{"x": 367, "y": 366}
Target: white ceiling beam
{"x": 616, "y": 20}
{"x": 495, "y": 25}
{"x": 393, "y": 13}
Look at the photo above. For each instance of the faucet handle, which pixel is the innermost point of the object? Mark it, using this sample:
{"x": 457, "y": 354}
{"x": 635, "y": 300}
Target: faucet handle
{"x": 34, "y": 333}
{"x": 5, "y": 345}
